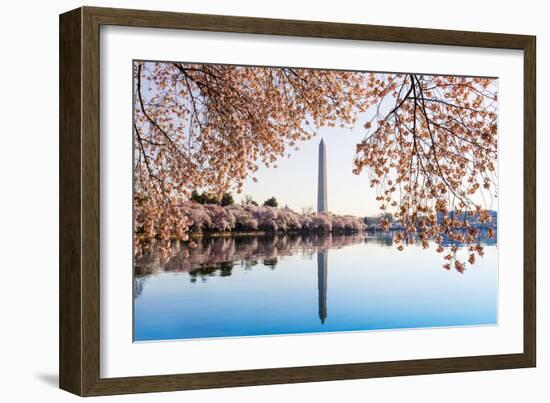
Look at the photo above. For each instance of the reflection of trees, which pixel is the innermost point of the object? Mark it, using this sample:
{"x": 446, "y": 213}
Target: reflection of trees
{"x": 139, "y": 283}
{"x": 271, "y": 262}
{"x": 219, "y": 255}
{"x": 203, "y": 272}
{"x": 212, "y": 255}
{"x": 383, "y": 238}
{"x": 386, "y": 238}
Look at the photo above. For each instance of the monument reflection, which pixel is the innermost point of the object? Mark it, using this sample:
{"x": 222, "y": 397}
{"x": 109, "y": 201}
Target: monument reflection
{"x": 222, "y": 257}
{"x": 219, "y": 256}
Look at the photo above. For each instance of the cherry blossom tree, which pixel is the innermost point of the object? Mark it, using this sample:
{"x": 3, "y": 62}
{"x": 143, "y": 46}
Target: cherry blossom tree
{"x": 430, "y": 148}
{"x": 431, "y": 152}
{"x": 215, "y": 218}
{"x": 199, "y": 126}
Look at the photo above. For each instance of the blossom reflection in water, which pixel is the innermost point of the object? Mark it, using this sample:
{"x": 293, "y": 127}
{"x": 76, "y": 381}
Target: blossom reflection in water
{"x": 279, "y": 284}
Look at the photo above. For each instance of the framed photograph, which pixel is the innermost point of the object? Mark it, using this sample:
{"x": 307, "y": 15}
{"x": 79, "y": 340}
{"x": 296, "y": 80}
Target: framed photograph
{"x": 249, "y": 201}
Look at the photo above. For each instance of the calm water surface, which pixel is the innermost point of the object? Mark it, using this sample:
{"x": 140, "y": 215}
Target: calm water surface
{"x": 285, "y": 284}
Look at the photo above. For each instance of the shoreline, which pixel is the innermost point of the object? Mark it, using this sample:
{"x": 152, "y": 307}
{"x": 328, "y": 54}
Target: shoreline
{"x": 263, "y": 233}
{"x": 260, "y": 233}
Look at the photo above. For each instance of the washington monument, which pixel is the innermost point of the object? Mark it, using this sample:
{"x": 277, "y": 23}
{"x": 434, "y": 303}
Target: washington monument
{"x": 322, "y": 255}
{"x": 322, "y": 186}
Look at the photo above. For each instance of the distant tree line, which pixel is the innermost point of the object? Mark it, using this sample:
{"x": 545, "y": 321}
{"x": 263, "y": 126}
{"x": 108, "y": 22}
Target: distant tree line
{"x": 206, "y": 198}
{"x": 227, "y": 199}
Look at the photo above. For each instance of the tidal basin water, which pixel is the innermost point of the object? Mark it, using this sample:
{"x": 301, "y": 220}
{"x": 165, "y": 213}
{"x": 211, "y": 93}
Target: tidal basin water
{"x": 288, "y": 284}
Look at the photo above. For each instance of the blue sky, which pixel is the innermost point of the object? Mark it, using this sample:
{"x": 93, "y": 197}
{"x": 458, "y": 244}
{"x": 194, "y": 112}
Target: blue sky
{"x": 294, "y": 181}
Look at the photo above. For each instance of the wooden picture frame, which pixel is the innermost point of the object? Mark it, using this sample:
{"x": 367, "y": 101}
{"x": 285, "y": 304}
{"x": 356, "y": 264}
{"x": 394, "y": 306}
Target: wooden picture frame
{"x": 79, "y": 347}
